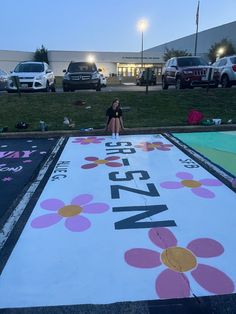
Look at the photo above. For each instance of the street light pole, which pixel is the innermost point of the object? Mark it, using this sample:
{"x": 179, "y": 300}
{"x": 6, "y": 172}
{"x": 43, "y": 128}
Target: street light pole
{"x": 142, "y": 53}
{"x": 142, "y": 25}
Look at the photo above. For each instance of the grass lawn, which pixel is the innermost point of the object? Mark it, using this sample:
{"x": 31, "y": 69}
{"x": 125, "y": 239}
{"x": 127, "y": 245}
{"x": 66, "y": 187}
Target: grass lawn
{"x": 162, "y": 108}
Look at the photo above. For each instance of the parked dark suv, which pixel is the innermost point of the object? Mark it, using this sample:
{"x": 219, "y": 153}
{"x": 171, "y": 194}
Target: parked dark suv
{"x": 142, "y": 78}
{"x": 188, "y": 72}
{"x": 81, "y": 75}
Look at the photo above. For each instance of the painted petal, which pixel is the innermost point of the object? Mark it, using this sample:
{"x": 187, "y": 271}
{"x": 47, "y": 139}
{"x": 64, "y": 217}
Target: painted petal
{"x": 205, "y": 247}
{"x": 82, "y": 199}
{"x": 45, "y": 221}
{"x": 84, "y": 143}
{"x": 184, "y": 175}
{"x": 89, "y": 166}
{"x": 203, "y": 192}
{"x": 95, "y": 208}
{"x": 142, "y": 258}
{"x": 91, "y": 158}
{"x": 163, "y": 148}
{"x": 97, "y": 141}
{"x": 170, "y": 284}
{"x": 171, "y": 185}
{"x": 52, "y": 204}
{"x": 112, "y": 158}
{"x": 77, "y": 223}
{"x": 211, "y": 182}
{"x": 213, "y": 280}
{"x": 162, "y": 237}
{"x": 114, "y": 164}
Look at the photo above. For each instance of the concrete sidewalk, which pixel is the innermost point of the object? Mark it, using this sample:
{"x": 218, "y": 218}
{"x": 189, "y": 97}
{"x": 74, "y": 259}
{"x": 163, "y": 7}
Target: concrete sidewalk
{"x": 128, "y": 131}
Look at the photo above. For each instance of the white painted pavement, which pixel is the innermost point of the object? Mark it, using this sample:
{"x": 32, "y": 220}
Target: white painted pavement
{"x": 130, "y": 220}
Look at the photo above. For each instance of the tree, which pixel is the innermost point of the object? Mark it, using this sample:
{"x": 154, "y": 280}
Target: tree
{"x": 170, "y": 53}
{"x": 41, "y": 54}
{"x": 221, "y": 49}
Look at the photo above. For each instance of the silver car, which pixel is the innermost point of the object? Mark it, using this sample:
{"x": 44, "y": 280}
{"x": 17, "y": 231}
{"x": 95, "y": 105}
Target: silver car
{"x": 3, "y": 80}
{"x": 227, "y": 69}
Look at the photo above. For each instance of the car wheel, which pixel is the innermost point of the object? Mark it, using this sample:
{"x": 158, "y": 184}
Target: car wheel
{"x": 47, "y": 89}
{"x": 225, "y": 81}
{"x": 164, "y": 84}
{"x": 179, "y": 84}
{"x": 65, "y": 89}
{"x": 98, "y": 88}
{"x": 53, "y": 88}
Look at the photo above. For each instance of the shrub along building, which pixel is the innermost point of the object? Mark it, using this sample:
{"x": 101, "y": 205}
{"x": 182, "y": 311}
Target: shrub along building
{"x": 126, "y": 64}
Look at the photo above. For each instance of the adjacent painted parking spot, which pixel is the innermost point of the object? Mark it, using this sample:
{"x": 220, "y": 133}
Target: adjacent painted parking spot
{"x": 19, "y": 159}
{"x": 130, "y": 220}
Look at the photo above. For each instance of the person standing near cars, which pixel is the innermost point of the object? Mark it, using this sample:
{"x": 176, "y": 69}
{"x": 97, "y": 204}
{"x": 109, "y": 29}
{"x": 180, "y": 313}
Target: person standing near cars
{"x": 114, "y": 119}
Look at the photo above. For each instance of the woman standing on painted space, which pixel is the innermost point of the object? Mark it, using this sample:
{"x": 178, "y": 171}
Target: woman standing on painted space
{"x": 114, "y": 119}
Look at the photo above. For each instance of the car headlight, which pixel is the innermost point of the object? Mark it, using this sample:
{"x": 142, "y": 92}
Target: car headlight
{"x": 39, "y": 77}
{"x": 66, "y": 77}
{"x": 188, "y": 72}
{"x": 95, "y": 76}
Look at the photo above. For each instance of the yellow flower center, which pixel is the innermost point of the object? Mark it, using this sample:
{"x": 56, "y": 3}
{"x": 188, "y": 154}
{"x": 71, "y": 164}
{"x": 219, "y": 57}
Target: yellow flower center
{"x": 88, "y": 140}
{"x": 100, "y": 161}
{"x": 178, "y": 259}
{"x": 191, "y": 183}
{"x": 70, "y": 210}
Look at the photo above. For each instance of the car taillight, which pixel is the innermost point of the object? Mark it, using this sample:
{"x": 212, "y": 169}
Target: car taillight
{"x": 234, "y": 67}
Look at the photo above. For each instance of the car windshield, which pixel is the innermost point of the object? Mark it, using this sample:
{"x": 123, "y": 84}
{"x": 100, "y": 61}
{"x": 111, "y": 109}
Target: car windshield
{"x": 188, "y": 62}
{"x": 233, "y": 60}
{"x": 29, "y": 67}
{"x": 82, "y": 67}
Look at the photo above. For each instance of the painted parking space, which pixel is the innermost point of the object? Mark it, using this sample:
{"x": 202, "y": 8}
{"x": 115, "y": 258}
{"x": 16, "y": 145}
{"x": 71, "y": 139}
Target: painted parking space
{"x": 124, "y": 221}
{"x": 19, "y": 159}
{"x": 219, "y": 147}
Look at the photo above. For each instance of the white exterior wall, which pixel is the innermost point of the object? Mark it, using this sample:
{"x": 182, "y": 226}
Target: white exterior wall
{"x": 9, "y": 59}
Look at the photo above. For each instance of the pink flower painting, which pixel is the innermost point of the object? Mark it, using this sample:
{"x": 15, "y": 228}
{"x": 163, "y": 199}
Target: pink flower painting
{"x": 74, "y": 214}
{"x": 147, "y": 147}
{"x": 108, "y": 161}
{"x": 180, "y": 263}
{"x": 196, "y": 186}
{"x": 88, "y": 140}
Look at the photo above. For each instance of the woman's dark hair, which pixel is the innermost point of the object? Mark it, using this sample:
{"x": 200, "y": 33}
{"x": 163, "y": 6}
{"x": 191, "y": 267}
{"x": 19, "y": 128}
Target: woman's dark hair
{"x": 115, "y": 101}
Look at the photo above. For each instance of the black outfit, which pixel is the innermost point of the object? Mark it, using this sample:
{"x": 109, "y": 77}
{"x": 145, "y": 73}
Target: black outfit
{"x": 111, "y": 113}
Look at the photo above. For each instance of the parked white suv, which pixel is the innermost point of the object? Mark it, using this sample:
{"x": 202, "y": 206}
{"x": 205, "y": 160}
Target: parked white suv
{"x": 32, "y": 76}
{"x": 227, "y": 69}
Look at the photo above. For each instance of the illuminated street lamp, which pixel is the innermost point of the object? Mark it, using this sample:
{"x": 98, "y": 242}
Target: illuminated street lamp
{"x": 91, "y": 58}
{"x": 142, "y": 26}
{"x": 220, "y": 52}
